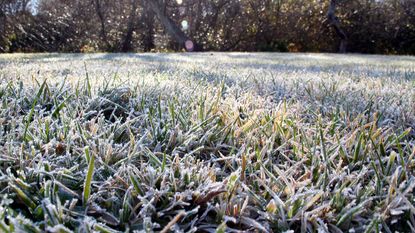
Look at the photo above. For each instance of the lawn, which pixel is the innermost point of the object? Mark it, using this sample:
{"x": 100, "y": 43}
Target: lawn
{"x": 207, "y": 142}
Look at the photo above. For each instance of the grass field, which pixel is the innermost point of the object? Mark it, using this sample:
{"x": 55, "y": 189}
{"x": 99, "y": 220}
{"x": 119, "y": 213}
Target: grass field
{"x": 207, "y": 143}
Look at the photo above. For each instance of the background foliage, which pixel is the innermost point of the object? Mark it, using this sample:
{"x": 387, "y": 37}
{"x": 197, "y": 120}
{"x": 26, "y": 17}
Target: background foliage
{"x": 372, "y": 26}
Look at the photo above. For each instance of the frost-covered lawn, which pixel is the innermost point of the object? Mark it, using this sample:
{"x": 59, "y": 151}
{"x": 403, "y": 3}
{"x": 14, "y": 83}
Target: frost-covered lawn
{"x": 207, "y": 142}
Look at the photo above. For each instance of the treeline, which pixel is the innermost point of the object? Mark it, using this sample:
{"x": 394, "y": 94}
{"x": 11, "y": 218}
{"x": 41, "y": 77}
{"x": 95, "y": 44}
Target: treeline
{"x": 364, "y": 26}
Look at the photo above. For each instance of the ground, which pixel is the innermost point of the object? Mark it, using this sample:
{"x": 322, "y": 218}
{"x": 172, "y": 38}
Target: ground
{"x": 207, "y": 142}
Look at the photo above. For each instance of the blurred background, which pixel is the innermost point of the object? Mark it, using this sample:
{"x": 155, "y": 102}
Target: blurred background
{"x": 358, "y": 26}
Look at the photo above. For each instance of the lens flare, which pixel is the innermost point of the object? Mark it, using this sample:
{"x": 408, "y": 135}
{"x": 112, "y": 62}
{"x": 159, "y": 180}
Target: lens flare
{"x": 189, "y": 45}
{"x": 185, "y": 25}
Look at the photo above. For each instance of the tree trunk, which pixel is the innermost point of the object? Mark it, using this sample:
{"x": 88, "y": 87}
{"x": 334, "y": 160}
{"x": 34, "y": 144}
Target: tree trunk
{"x": 3, "y": 34}
{"x": 148, "y": 28}
{"x": 334, "y": 21}
{"x": 171, "y": 28}
{"x": 126, "y": 44}
{"x": 103, "y": 33}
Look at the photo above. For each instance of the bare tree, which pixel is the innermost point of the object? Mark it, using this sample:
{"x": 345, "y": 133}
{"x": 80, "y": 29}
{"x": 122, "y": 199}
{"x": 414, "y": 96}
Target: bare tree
{"x": 334, "y": 21}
